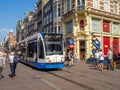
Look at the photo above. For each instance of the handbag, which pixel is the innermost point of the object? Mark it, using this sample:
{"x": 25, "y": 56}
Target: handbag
{"x": 15, "y": 59}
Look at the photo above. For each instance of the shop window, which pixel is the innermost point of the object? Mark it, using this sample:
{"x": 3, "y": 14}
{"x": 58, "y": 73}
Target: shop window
{"x": 96, "y": 25}
{"x": 115, "y": 28}
{"x": 106, "y": 26}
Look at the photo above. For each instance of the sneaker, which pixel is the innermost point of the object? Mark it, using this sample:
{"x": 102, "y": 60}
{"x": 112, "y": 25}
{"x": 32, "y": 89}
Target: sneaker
{"x": 10, "y": 75}
{"x": 3, "y": 76}
{"x": 14, "y": 75}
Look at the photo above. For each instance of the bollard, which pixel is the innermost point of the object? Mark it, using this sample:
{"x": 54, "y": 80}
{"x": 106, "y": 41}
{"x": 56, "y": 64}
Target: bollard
{"x": 114, "y": 64}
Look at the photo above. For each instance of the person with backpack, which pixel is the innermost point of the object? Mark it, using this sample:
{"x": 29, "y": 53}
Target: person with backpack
{"x": 13, "y": 63}
{"x": 16, "y": 61}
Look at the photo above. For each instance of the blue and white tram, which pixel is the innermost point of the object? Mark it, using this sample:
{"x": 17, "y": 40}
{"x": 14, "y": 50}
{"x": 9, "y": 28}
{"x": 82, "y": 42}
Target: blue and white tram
{"x": 42, "y": 51}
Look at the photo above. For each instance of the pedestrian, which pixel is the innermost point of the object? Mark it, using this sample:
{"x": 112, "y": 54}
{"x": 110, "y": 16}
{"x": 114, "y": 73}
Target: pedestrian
{"x": 12, "y": 65}
{"x": 66, "y": 56}
{"x": 16, "y": 61}
{"x": 101, "y": 60}
{"x": 70, "y": 56}
{"x": 2, "y": 64}
{"x": 110, "y": 59}
{"x": 96, "y": 55}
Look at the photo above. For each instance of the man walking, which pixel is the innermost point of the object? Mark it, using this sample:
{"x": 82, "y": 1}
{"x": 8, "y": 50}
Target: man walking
{"x": 110, "y": 59}
{"x": 12, "y": 65}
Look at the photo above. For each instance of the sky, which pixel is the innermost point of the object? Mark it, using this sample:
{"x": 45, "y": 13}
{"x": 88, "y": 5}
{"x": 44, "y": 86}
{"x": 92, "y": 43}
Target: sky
{"x": 10, "y": 12}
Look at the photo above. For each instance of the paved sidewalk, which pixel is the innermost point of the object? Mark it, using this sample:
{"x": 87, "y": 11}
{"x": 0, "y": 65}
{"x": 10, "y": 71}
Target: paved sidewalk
{"x": 81, "y": 76}
{"x": 95, "y": 79}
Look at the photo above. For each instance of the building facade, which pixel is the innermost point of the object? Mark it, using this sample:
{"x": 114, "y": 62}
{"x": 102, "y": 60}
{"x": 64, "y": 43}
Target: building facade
{"x": 48, "y": 17}
{"x": 27, "y": 26}
{"x": 10, "y": 41}
{"x": 57, "y": 14}
{"x": 93, "y": 24}
{"x": 40, "y": 5}
{"x": 89, "y": 24}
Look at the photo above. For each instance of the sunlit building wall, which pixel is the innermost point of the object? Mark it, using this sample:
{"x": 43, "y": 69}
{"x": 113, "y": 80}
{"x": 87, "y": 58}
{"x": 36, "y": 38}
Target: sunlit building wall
{"x": 93, "y": 24}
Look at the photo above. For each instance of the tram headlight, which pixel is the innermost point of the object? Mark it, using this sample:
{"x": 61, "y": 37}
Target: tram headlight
{"x": 62, "y": 59}
{"x": 48, "y": 59}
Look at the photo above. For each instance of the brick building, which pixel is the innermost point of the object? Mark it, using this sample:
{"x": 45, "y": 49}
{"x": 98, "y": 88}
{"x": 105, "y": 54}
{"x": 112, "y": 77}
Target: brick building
{"x": 93, "y": 24}
{"x": 10, "y": 41}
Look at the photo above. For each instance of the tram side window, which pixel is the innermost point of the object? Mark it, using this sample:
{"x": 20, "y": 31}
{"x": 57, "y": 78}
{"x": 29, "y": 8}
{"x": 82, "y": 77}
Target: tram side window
{"x": 35, "y": 48}
{"x": 22, "y": 51}
{"x": 30, "y": 49}
{"x": 41, "y": 50}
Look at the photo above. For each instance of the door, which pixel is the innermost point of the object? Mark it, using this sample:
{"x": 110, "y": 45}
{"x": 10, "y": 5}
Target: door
{"x": 106, "y": 44}
{"x": 82, "y": 49}
{"x": 116, "y": 45}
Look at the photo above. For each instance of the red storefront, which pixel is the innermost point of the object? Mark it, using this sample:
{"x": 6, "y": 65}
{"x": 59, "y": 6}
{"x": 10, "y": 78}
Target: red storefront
{"x": 116, "y": 45}
{"x": 106, "y": 44}
{"x": 106, "y": 40}
{"x": 106, "y": 26}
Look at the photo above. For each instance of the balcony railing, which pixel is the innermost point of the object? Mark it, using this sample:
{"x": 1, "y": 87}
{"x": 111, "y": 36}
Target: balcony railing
{"x": 58, "y": 19}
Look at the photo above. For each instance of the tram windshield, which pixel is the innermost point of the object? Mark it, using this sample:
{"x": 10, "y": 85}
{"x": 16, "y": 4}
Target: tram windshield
{"x": 53, "y": 44}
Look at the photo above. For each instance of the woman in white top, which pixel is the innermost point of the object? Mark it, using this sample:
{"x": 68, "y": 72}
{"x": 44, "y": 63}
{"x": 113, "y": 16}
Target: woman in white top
{"x": 101, "y": 59}
{"x": 96, "y": 57}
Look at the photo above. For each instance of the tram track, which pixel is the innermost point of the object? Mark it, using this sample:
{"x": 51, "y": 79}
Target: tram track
{"x": 61, "y": 74}
{"x": 92, "y": 80}
{"x": 72, "y": 81}
{"x": 39, "y": 77}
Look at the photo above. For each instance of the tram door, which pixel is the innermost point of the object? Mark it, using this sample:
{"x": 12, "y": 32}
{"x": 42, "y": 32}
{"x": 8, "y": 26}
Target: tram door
{"x": 82, "y": 49}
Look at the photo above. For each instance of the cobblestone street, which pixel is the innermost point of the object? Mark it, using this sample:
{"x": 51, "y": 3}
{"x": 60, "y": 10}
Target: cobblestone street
{"x": 81, "y": 76}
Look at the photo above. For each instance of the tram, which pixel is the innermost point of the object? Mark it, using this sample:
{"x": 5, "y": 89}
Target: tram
{"x": 42, "y": 51}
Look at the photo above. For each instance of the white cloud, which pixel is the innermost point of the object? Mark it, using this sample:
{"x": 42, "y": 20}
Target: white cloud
{"x": 4, "y": 30}
{"x": 3, "y": 33}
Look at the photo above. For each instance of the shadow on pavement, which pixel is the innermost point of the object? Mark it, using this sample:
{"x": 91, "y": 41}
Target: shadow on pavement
{"x": 90, "y": 60}
{"x": 92, "y": 64}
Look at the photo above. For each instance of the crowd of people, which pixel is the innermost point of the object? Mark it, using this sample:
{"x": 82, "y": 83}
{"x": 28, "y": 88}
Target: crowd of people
{"x": 99, "y": 59}
{"x": 11, "y": 58}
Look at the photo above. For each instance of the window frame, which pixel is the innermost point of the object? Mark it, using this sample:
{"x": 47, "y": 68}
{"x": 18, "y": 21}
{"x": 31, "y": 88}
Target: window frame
{"x": 106, "y": 6}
